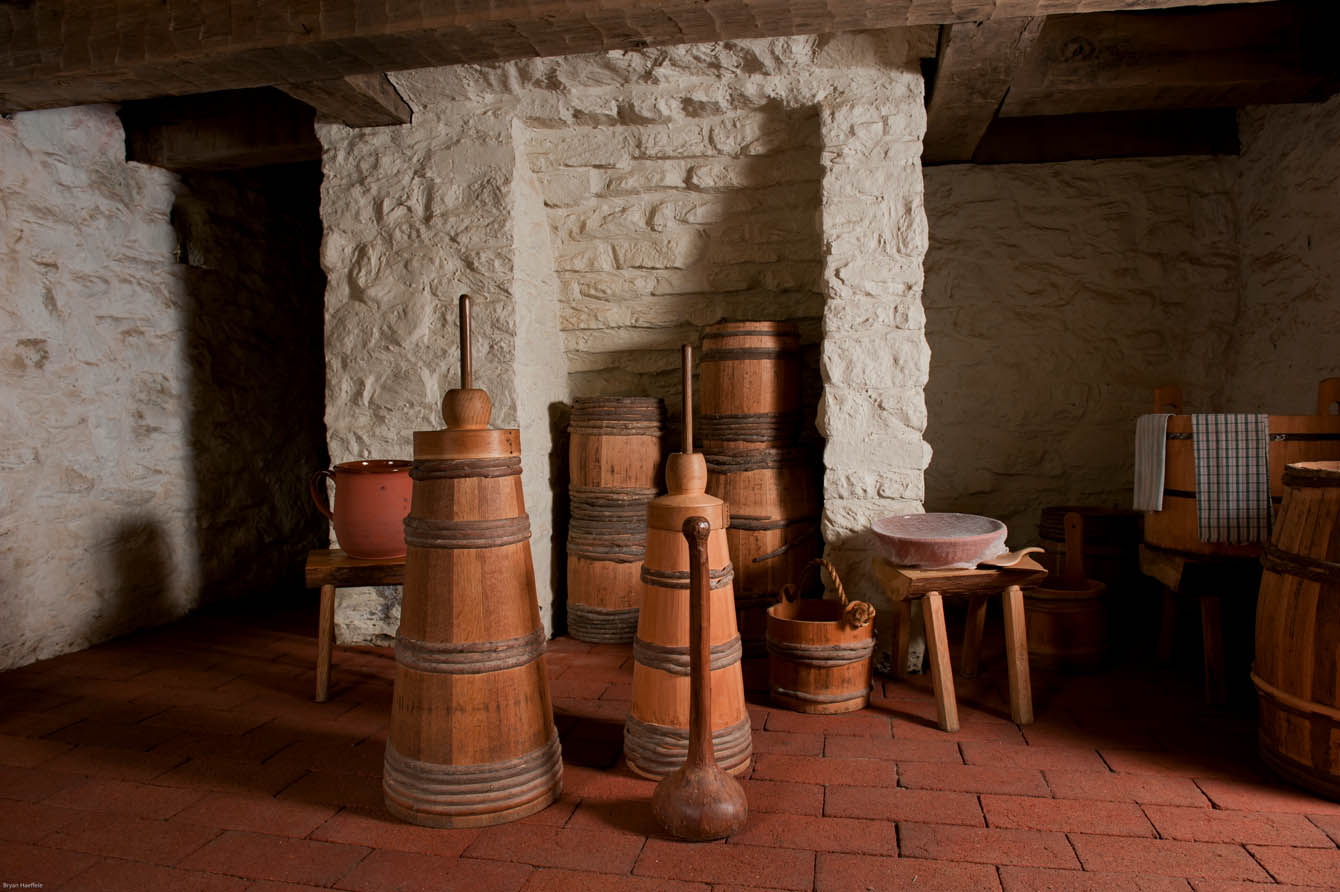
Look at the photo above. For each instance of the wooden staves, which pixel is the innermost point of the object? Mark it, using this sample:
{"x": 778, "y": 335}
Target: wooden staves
{"x": 1293, "y": 438}
{"x": 749, "y": 379}
{"x": 656, "y": 733}
{"x": 1297, "y": 666}
{"x": 615, "y": 460}
{"x": 1066, "y": 616}
{"x": 472, "y": 739}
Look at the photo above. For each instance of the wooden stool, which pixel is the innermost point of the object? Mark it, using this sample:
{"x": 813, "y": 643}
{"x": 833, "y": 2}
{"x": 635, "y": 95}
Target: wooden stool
{"x": 1208, "y": 578}
{"x": 907, "y": 584}
{"x": 330, "y": 569}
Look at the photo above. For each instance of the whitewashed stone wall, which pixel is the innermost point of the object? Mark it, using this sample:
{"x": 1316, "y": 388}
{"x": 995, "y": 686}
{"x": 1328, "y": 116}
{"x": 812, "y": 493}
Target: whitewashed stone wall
{"x": 96, "y": 524}
{"x": 759, "y": 179}
{"x": 1057, "y": 297}
{"x": 1288, "y": 194}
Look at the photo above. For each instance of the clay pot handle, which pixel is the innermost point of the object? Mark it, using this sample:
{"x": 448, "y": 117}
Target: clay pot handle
{"x": 1328, "y": 394}
{"x": 319, "y": 496}
{"x": 1168, "y": 397}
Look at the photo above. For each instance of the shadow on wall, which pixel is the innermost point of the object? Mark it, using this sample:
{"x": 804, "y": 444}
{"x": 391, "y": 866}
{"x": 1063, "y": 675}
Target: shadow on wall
{"x": 137, "y": 559}
{"x": 731, "y": 233}
{"x": 250, "y": 241}
{"x": 560, "y": 478}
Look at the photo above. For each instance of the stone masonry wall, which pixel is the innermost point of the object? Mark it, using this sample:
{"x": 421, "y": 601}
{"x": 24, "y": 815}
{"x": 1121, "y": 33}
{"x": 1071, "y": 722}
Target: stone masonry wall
{"x": 1057, "y": 297}
{"x": 162, "y": 388}
{"x": 96, "y": 525}
{"x": 682, "y": 185}
{"x": 1288, "y": 194}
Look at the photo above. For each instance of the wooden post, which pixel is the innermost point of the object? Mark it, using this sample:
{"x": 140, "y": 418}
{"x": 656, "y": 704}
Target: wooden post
{"x": 942, "y": 673}
{"x": 325, "y": 642}
{"x": 1016, "y": 657}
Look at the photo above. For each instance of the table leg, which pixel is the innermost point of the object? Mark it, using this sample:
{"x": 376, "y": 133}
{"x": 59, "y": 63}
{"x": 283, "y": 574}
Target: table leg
{"x": 942, "y": 673}
{"x": 903, "y": 616}
{"x": 1212, "y": 634}
{"x": 325, "y": 642}
{"x": 1016, "y": 657}
{"x": 1166, "y": 627}
{"x": 971, "y": 659}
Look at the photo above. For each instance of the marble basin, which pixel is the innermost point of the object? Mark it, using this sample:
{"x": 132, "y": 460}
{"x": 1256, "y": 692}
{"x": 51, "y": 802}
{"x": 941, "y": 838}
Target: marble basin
{"x": 939, "y": 540}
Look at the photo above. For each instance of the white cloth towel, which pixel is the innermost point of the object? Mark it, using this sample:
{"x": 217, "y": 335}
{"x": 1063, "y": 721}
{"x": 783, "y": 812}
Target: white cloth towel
{"x": 1151, "y": 434}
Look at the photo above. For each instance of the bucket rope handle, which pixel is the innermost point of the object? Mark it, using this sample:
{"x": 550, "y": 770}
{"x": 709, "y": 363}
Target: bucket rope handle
{"x": 854, "y": 613}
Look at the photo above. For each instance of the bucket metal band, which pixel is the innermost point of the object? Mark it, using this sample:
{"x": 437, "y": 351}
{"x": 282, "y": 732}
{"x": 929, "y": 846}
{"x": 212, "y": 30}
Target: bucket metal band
{"x": 675, "y": 660}
{"x": 753, "y": 523}
{"x": 824, "y": 656}
{"x": 1297, "y": 476}
{"x": 421, "y": 532}
{"x": 756, "y": 460}
{"x": 602, "y": 625}
{"x": 810, "y": 697}
{"x": 465, "y": 791}
{"x": 615, "y": 554}
{"x": 469, "y": 657}
{"x": 444, "y": 469}
{"x": 607, "y": 426}
{"x": 1286, "y": 563}
{"x": 679, "y": 579}
{"x": 657, "y": 750}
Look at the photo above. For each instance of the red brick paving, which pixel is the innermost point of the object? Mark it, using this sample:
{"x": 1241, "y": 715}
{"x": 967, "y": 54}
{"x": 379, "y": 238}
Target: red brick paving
{"x": 193, "y": 758}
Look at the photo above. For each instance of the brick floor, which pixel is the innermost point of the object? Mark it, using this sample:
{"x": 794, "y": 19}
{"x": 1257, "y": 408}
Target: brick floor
{"x": 193, "y": 758}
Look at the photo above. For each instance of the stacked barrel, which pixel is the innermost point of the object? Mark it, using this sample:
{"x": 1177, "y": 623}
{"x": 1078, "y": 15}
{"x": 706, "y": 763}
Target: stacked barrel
{"x": 615, "y": 461}
{"x": 750, "y": 386}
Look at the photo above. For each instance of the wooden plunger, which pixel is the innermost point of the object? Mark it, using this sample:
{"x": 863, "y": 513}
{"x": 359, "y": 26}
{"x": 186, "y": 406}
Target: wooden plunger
{"x": 699, "y": 801}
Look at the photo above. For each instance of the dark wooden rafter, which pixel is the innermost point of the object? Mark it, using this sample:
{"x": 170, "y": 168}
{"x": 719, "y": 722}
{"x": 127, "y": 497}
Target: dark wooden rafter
{"x": 220, "y": 131}
{"x": 69, "y": 52}
{"x": 975, "y": 65}
{"x": 359, "y": 100}
{"x": 1230, "y": 56}
{"x": 1160, "y": 133}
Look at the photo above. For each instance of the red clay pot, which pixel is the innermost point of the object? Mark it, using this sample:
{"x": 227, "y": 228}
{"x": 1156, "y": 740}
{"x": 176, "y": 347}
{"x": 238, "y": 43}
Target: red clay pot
{"x": 371, "y": 501}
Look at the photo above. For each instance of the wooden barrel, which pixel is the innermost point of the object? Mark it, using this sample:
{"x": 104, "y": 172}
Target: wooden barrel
{"x": 656, "y": 733}
{"x": 1297, "y": 665}
{"x": 749, "y": 385}
{"x": 819, "y": 651}
{"x": 774, "y": 499}
{"x": 1293, "y": 438}
{"x": 615, "y": 468}
{"x": 472, "y": 739}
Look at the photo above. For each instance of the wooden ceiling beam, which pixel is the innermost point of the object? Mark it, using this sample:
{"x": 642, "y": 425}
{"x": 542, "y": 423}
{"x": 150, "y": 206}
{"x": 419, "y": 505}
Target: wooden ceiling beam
{"x": 70, "y": 52}
{"x": 1054, "y": 138}
{"x": 359, "y": 100}
{"x": 220, "y": 131}
{"x": 1227, "y": 57}
{"x": 974, "y": 68}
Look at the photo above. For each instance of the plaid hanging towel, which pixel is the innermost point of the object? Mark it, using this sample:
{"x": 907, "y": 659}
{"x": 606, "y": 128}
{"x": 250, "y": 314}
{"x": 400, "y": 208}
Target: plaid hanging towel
{"x": 1151, "y": 434}
{"x": 1232, "y": 477}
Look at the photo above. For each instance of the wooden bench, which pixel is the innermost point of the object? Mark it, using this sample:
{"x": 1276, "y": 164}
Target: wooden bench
{"x": 329, "y": 569}
{"x": 907, "y": 584}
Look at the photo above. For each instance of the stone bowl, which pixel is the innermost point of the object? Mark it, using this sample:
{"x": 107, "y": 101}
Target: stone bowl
{"x": 943, "y": 541}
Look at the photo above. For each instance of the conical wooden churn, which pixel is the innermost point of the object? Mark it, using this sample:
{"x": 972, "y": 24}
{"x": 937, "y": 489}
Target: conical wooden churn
{"x": 656, "y": 734}
{"x": 472, "y": 739}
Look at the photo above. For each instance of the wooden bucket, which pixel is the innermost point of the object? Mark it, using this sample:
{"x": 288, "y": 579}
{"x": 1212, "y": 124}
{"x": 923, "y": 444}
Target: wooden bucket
{"x": 472, "y": 739}
{"x": 819, "y": 651}
{"x": 1293, "y": 438}
{"x": 774, "y": 501}
{"x": 615, "y": 462}
{"x": 1066, "y": 616}
{"x": 1297, "y": 665}
{"x": 749, "y": 386}
{"x": 656, "y": 733}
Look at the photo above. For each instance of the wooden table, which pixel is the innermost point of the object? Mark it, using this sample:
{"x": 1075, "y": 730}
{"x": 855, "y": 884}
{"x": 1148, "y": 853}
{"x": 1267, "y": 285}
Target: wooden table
{"x": 1208, "y": 578}
{"x": 330, "y": 569}
{"x": 907, "y": 584}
